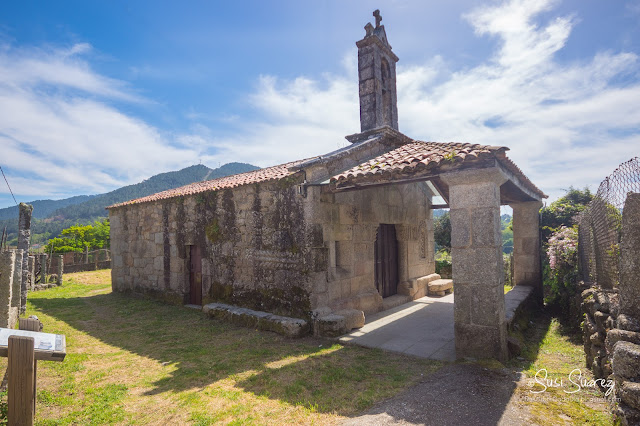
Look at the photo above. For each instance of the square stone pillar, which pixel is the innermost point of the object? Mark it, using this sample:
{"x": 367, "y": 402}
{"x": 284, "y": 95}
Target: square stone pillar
{"x": 630, "y": 261}
{"x": 526, "y": 246}
{"x": 8, "y": 313}
{"x": 476, "y": 252}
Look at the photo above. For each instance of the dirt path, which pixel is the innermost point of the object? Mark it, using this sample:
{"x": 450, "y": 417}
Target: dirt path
{"x": 458, "y": 394}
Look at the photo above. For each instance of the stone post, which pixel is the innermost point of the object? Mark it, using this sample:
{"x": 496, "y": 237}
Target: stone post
{"x": 86, "y": 255}
{"x": 43, "y": 269}
{"x": 476, "y": 251}
{"x": 60, "y": 269}
{"x": 526, "y": 246}
{"x": 630, "y": 259}
{"x": 16, "y": 287}
{"x": 7, "y": 269}
{"x": 31, "y": 266}
{"x": 24, "y": 238}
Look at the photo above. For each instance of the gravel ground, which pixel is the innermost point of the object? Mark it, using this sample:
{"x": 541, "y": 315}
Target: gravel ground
{"x": 458, "y": 394}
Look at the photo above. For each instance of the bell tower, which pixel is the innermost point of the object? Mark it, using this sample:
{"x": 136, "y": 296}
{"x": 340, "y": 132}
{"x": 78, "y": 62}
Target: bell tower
{"x": 377, "y": 77}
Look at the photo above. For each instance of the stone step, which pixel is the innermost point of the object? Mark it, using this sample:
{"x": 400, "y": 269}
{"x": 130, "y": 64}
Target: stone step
{"x": 395, "y": 300}
{"x": 338, "y": 323}
{"x": 440, "y": 287}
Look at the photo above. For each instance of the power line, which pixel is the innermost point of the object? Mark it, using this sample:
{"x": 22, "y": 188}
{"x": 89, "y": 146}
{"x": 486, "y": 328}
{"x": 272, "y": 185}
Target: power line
{"x": 5, "y": 179}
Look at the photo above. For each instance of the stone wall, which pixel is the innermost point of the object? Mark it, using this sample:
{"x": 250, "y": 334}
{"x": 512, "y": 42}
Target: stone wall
{"x": 349, "y": 222}
{"x": 611, "y": 327}
{"x": 10, "y": 287}
{"x": 270, "y": 247}
{"x": 256, "y": 249}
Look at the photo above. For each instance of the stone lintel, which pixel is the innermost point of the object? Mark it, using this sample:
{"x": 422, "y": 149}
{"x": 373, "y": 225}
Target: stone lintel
{"x": 516, "y": 182}
{"x": 495, "y": 175}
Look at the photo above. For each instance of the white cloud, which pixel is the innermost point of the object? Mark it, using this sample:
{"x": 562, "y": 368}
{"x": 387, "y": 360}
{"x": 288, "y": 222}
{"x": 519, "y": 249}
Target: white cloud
{"x": 566, "y": 123}
{"x": 557, "y": 119}
{"x": 58, "y": 131}
{"x": 301, "y": 118}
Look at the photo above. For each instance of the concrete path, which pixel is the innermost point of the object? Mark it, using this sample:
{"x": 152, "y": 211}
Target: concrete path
{"x": 423, "y": 327}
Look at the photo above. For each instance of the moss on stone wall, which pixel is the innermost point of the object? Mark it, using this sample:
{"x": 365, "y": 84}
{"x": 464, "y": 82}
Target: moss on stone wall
{"x": 180, "y": 231}
{"x": 293, "y": 301}
{"x": 212, "y": 231}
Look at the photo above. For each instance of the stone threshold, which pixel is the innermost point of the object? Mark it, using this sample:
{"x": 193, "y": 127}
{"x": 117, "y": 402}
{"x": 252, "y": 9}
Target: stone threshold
{"x": 289, "y": 327}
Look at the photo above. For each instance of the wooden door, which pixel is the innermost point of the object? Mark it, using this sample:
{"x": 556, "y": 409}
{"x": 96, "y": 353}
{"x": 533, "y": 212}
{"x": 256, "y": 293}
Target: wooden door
{"x": 195, "y": 276}
{"x": 386, "y": 260}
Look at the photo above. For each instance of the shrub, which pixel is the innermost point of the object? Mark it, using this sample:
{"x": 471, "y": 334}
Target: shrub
{"x": 562, "y": 269}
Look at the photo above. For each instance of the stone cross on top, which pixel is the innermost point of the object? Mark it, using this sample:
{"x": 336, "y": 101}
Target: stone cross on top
{"x": 378, "y": 17}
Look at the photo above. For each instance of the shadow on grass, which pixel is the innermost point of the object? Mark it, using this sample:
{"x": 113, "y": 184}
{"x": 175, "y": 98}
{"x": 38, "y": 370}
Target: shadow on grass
{"x": 531, "y": 334}
{"x": 199, "y": 351}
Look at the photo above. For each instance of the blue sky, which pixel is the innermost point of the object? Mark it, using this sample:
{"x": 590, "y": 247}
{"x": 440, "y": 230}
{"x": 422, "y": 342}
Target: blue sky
{"x": 97, "y": 95}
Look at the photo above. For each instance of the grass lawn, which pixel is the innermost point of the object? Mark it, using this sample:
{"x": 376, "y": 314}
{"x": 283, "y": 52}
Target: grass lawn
{"x": 552, "y": 346}
{"x": 136, "y": 361}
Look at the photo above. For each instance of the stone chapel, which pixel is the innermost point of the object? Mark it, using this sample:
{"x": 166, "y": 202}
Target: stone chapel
{"x": 330, "y": 239}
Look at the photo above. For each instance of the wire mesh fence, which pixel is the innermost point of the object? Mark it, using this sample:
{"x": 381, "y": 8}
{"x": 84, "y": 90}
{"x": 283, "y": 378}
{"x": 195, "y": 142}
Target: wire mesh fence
{"x": 600, "y": 226}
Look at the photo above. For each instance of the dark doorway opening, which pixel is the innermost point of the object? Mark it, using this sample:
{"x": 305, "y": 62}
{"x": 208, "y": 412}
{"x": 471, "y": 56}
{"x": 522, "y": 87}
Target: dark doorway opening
{"x": 195, "y": 276}
{"x": 386, "y": 255}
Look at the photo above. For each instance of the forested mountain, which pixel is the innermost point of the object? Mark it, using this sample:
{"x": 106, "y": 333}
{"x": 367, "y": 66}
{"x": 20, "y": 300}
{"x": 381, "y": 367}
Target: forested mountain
{"x": 52, "y": 216}
{"x": 96, "y": 206}
{"x": 43, "y": 208}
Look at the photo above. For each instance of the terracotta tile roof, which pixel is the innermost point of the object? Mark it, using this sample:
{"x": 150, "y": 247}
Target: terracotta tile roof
{"x": 261, "y": 175}
{"x": 513, "y": 168}
{"x": 418, "y": 155}
{"x": 407, "y": 159}
{"x": 424, "y": 156}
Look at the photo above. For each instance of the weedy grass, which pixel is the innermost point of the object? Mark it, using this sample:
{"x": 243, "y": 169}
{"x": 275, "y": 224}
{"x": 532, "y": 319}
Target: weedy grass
{"x": 137, "y": 361}
{"x": 553, "y": 361}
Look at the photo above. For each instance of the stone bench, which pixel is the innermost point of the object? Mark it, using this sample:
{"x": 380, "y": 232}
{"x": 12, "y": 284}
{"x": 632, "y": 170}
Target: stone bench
{"x": 290, "y": 327}
{"x": 440, "y": 287}
{"x": 416, "y": 288}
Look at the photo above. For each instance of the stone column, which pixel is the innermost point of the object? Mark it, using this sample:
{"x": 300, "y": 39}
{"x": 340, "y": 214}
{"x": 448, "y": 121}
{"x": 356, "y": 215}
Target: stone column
{"x": 43, "y": 269}
{"x": 476, "y": 251}
{"x": 630, "y": 260}
{"x": 24, "y": 238}
{"x": 31, "y": 266}
{"x": 7, "y": 269}
{"x": 16, "y": 288}
{"x": 526, "y": 246}
{"x": 60, "y": 269}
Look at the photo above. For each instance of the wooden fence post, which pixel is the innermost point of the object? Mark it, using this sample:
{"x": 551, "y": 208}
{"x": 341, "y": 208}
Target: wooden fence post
{"x": 32, "y": 324}
{"x": 21, "y": 380}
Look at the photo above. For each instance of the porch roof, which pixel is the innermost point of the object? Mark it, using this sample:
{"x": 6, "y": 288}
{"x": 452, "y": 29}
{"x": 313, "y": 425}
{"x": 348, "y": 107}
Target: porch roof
{"x": 419, "y": 160}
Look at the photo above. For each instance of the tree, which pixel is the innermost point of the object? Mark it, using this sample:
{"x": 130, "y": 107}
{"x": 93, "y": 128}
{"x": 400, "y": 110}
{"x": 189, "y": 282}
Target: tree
{"x": 562, "y": 211}
{"x": 442, "y": 232}
{"x": 79, "y": 238}
{"x": 506, "y": 224}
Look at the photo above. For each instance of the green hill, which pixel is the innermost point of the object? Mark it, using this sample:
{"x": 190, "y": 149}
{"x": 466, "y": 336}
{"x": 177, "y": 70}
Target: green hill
{"x": 43, "y": 208}
{"x": 52, "y": 216}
